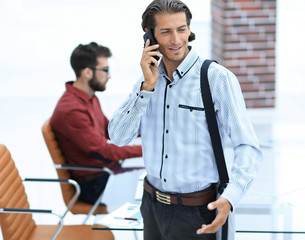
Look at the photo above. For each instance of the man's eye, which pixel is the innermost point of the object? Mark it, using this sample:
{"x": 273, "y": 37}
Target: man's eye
{"x": 181, "y": 30}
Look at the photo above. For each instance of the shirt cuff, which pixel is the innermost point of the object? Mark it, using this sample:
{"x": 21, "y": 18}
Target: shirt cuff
{"x": 143, "y": 98}
{"x": 233, "y": 194}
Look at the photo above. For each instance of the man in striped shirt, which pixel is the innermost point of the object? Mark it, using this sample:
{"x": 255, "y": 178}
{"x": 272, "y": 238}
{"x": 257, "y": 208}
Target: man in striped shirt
{"x": 166, "y": 108}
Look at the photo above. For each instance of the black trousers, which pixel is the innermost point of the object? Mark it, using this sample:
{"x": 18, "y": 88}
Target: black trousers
{"x": 174, "y": 222}
{"x": 91, "y": 190}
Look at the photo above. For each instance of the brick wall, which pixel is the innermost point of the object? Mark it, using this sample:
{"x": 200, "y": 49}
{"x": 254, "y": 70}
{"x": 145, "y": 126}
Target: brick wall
{"x": 243, "y": 40}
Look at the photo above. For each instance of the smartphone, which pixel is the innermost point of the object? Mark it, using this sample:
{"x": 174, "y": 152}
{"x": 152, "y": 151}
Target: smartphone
{"x": 150, "y": 35}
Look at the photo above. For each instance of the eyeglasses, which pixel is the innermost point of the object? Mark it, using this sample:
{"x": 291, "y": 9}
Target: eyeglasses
{"x": 106, "y": 70}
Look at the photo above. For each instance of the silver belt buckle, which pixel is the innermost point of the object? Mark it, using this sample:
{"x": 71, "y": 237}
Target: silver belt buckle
{"x": 163, "y": 198}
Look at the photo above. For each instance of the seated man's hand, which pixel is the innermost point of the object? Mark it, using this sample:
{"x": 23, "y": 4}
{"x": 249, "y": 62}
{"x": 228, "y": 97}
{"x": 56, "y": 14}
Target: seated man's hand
{"x": 115, "y": 166}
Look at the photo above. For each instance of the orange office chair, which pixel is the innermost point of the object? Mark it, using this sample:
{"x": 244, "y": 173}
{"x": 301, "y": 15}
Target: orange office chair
{"x": 13, "y": 200}
{"x": 70, "y": 193}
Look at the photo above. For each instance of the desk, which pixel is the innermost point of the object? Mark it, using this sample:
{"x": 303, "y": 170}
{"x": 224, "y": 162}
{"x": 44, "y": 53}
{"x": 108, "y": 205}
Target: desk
{"x": 122, "y": 188}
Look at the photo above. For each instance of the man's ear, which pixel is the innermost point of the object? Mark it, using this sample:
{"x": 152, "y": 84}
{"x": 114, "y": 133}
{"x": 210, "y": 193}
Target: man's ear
{"x": 87, "y": 73}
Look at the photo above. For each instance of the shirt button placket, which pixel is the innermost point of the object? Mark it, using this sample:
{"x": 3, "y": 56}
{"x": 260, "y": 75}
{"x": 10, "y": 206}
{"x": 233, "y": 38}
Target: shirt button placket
{"x": 166, "y": 134}
{"x": 165, "y": 146}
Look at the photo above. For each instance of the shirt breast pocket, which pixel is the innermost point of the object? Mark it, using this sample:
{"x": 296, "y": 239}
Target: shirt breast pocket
{"x": 192, "y": 119}
{"x": 191, "y": 108}
{"x": 192, "y": 114}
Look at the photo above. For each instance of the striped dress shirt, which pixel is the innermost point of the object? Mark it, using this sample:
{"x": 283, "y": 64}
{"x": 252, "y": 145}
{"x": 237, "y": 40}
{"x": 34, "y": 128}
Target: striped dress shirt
{"x": 176, "y": 144}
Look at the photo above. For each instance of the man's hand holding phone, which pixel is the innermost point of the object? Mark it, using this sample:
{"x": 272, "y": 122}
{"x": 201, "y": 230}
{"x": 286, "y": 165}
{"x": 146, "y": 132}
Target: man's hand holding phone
{"x": 149, "y": 65}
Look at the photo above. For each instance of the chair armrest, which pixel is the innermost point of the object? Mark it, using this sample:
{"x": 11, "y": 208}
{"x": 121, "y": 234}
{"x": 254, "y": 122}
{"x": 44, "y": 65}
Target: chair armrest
{"x": 32, "y": 211}
{"x": 63, "y": 180}
{"x": 117, "y": 170}
{"x": 25, "y": 210}
{"x": 60, "y": 180}
{"x": 82, "y": 168}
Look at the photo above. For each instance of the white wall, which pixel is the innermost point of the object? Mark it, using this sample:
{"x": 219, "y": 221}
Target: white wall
{"x": 37, "y": 38}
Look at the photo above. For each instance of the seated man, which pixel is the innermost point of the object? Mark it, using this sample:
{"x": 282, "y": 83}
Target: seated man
{"x": 80, "y": 125}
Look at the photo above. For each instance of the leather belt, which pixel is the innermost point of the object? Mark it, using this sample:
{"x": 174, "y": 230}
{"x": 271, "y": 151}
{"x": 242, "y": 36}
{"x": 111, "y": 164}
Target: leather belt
{"x": 189, "y": 199}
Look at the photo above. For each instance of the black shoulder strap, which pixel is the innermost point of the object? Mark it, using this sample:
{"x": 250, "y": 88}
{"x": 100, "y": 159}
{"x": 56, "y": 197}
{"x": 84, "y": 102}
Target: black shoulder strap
{"x": 212, "y": 125}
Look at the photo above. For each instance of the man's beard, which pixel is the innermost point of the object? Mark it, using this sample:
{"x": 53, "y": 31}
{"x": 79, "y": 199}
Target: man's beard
{"x": 96, "y": 85}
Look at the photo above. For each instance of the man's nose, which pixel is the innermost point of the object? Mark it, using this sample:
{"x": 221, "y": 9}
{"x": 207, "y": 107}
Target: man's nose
{"x": 174, "y": 37}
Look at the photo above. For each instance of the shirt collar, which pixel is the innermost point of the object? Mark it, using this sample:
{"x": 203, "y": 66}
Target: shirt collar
{"x": 187, "y": 62}
{"x": 184, "y": 66}
{"x": 81, "y": 94}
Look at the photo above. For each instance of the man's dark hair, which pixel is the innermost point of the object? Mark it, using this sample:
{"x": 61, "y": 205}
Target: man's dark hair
{"x": 86, "y": 56}
{"x": 165, "y": 6}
